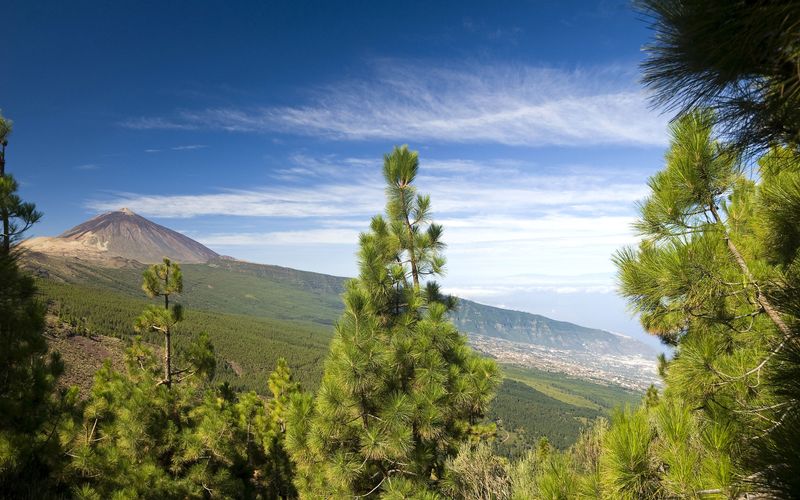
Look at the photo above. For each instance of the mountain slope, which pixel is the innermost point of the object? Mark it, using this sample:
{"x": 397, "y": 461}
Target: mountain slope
{"x": 257, "y": 313}
{"x": 529, "y": 404}
{"x": 518, "y": 326}
{"x": 113, "y": 245}
{"x": 123, "y": 234}
{"x": 232, "y": 286}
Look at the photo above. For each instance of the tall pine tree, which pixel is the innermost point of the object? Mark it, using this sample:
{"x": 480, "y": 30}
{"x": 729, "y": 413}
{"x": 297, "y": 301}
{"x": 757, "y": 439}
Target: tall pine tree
{"x": 708, "y": 278}
{"x": 162, "y": 280}
{"x": 30, "y": 411}
{"x": 401, "y": 390}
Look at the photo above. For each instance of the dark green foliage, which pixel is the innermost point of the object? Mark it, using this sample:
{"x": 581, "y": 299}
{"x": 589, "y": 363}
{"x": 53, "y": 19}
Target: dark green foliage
{"x": 777, "y": 453}
{"x": 776, "y": 456}
{"x": 740, "y": 58}
{"x": 401, "y": 390}
{"x": 245, "y": 346}
{"x": 16, "y": 216}
{"x": 31, "y": 413}
{"x": 528, "y": 415}
{"x": 144, "y": 439}
{"x": 282, "y": 469}
{"x": 780, "y": 204}
{"x": 178, "y": 436}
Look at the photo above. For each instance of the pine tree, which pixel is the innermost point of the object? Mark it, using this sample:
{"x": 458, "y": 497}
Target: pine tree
{"x": 141, "y": 438}
{"x": 741, "y": 59}
{"x": 401, "y": 390}
{"x": 5, "y": 131}
{"x": 17, "y": 216}
{"x": 651, "y": 397}
{"x": 711, "y": 277}
{"x": 31, "y": 413}
{"x": 626, "y": 465}
{"x": 162, "y": 280}
{"x": 776, "y": 454}
{"x": 737, "y": 57}
{"x": 281, "y": 471}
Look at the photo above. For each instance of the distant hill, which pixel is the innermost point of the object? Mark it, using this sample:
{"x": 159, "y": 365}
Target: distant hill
{"x": 518, "y": 326}
{"x": 123, "y": 234}
{"x": 258, "y": 313}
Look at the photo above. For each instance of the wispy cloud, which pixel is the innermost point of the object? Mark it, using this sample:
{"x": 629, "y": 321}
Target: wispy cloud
{"x": 538, "y": 221}
{"x": 190, "y": 147}
{"x": 145, "y": 123}
{"x": 516, "y": 193}
{"x": 325, "y": 236}
{"x": 87, "y": 166}
{"x": 512, "y": 105}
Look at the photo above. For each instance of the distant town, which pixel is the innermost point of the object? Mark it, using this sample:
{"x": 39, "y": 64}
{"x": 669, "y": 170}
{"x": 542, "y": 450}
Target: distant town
{"x": 631, "y": 372}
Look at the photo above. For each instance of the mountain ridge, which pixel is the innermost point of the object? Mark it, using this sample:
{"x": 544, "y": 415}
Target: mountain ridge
{"x": 96, "y": 242}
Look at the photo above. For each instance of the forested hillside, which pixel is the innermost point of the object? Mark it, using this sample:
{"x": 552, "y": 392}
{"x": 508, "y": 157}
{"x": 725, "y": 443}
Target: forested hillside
{"x": 233, "y": 286}
{"x": 248, "y": 347}
{"x": 226, "y": 379}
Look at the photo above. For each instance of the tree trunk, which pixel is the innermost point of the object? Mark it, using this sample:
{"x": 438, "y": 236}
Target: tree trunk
{"x": 411, "y": 254}
{"x": 414, "y": 272}
{"x": 6, "y": 235}
{"x": 167, "y": 356}
{"x": 3, "y": 208}
{"x": 773, "y": 314}
{"x": 167, "y": 346}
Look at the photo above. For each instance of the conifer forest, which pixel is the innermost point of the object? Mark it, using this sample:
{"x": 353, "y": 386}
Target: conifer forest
{"x": 218, "y": 378}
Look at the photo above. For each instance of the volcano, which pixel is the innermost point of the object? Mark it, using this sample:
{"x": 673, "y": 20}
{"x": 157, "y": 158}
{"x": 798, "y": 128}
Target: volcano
{"x": 124, "y": 234}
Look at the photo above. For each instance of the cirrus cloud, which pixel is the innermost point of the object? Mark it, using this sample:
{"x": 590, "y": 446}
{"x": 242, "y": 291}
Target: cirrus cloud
{"x": 504, "y": 104}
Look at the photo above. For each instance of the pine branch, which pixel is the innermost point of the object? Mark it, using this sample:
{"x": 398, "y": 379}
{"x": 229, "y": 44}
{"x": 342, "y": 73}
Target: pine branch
{"x": 762, "y": 301}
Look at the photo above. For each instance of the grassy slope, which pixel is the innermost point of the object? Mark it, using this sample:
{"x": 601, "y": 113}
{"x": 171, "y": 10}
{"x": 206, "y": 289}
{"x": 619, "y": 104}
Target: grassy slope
{"x": 572, "y": 391}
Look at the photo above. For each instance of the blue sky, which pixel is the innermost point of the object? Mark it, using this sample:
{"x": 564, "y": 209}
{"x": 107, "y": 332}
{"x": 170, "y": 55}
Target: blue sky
{"x": 258, "y": 129}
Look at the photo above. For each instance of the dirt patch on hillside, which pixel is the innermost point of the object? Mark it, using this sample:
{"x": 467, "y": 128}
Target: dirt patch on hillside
{"x": 82, "y": 355}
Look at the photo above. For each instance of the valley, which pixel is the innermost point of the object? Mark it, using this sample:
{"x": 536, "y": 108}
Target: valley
{"x": 256, "y": 314}
{"x": 630, "y": 372}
